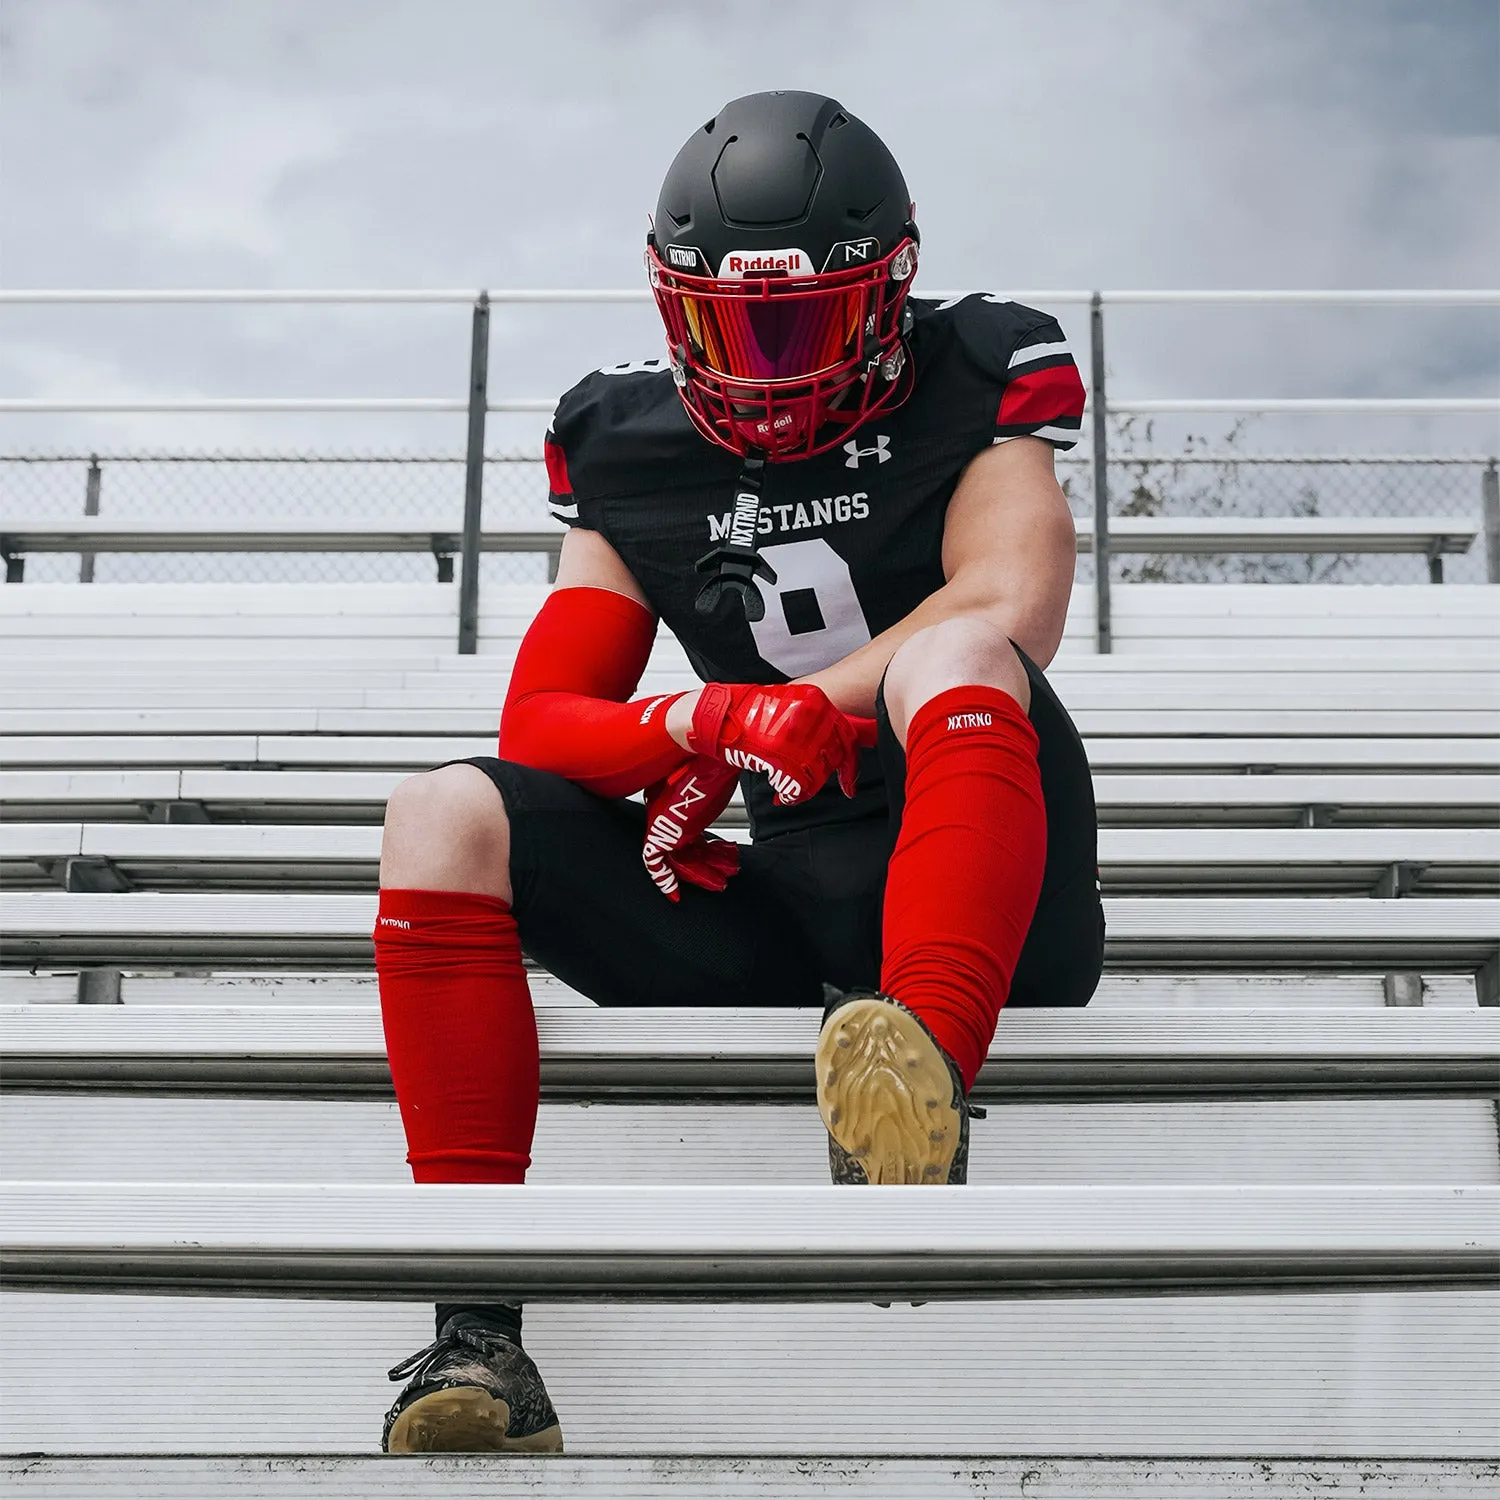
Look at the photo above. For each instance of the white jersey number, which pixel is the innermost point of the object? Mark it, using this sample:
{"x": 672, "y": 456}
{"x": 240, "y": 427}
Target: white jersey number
{"x": 813, "y": 616}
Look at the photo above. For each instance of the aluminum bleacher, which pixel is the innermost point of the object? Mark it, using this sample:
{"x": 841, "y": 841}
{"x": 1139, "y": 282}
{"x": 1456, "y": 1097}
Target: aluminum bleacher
{"x": 1239, "y": 1218}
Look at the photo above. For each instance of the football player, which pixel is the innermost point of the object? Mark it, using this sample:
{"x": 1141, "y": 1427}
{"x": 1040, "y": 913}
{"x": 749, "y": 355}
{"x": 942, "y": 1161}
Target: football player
{"x": 840, "y": 499}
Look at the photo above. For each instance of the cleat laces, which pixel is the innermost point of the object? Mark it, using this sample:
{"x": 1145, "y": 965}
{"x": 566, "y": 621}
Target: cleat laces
{"x": 420, "y": 1365}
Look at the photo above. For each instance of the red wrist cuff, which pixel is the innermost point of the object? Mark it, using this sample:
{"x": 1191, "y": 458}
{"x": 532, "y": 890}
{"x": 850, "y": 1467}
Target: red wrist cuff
{"x": 712, "y": 708}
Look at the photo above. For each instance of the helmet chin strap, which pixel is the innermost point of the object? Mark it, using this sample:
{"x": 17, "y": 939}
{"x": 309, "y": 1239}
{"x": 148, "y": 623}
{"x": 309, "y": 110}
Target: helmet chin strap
{"x": 734, "y": 567}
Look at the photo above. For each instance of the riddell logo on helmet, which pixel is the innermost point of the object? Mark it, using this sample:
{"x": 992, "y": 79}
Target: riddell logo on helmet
{"x": 740, "y": 263}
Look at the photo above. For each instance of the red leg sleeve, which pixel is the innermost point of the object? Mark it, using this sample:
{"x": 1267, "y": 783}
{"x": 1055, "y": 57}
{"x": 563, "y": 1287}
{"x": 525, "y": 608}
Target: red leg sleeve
{"x": 460, "y": 1034}
{"x": 967, "y": 869}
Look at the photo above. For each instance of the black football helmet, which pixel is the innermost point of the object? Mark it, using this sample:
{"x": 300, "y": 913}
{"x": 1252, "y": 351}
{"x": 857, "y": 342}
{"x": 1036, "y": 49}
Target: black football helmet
{"x": 781, "y": 254}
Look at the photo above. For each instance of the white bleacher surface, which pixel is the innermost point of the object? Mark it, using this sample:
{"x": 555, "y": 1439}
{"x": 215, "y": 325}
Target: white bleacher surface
{"x": 1234, "y": 1228}
{"x": 709, "y": 1242}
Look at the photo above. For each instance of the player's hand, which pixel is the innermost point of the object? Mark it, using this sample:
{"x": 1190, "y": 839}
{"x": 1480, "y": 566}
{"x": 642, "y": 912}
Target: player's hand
{"x": 790, "y": 731}
{"x": 679, "y": 810}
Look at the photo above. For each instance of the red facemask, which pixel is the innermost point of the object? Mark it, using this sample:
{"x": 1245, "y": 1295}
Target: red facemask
{"x": 786, "y": 364}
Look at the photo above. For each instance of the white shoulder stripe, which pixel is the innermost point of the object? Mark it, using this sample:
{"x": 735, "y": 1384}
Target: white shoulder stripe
{"x": 1052, "y": 433}
{"x": 566, "y": 512}
{"x": 1034, "y": 352}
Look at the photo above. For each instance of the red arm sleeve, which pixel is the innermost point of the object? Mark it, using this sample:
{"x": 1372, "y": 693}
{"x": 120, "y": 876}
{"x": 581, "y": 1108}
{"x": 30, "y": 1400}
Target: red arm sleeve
{"x": 566, "y": 710}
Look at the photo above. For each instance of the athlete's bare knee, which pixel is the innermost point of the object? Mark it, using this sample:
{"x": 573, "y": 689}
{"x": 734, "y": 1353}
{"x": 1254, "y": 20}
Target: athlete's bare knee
{"x": 960, "y": 652}
{"x": 446, "y": 830}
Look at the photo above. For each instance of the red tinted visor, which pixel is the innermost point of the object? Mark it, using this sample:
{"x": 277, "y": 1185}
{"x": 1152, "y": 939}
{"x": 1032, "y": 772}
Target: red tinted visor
{"x": 786, "y": 336}
{"x": 773, "y": 327}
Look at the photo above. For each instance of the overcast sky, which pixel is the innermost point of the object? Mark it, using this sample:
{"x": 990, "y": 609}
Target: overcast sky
{"x": 1048, "y": 143}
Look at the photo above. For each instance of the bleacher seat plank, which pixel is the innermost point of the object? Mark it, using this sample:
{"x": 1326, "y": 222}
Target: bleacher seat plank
{"x": 1441, "y": 860}
{"x": 619, "y": 1477}
{"x": 749, "y": 1056}
{"x": 1388, "y": 607}
{"x": 1208, "y": 535}
{"x": 32, "y": 843}
{"x": 235, "y": 620}
{"x": 435, "y": 668}
{"x": 1217, "y": 1375}
{"x": 197, "y": 642}
{"x": 1178, "y": 991}
{"x": 1202, "y": 861}
{"x": 1175, "y": 691}
{"x": 109, "y": 751}
{"x": 1138, "y": 799}
{"x": 701, "y": 1243}
{"x": 1198, "y": 684}
{"x": 244, "y": 602}
{"x": 1445, "y": 935}
{"x": 1277, "y": 755}
{"x": 417, "y": 532}
{"x": 74, "y": 1136}
{"x": 1301, "y": 611}
{"x": 416, "y": 752}
{"x": 1188, "y": 664}
{"x": 481, "y": 723}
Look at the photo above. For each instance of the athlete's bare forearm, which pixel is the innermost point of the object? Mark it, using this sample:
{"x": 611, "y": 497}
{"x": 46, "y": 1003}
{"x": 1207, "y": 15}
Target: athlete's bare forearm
{"x": 853, "y": 682}
{"x": 1008, "y": 555}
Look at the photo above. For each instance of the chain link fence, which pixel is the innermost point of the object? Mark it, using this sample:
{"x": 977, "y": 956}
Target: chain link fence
{"x": 1219, "y": 481}
{"x": 331, "y": 487}
{"x": 335, "y": 487}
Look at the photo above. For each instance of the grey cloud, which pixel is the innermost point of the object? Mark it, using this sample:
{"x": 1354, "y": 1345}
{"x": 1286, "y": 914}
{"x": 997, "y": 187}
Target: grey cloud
{"x": 452, "y": 142}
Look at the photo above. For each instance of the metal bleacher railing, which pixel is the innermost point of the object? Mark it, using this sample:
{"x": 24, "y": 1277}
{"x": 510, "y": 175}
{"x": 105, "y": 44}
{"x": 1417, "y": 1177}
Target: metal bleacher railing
{"x": 1150, "y": 529}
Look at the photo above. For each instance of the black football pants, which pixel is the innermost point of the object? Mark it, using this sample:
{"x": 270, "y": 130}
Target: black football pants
{"x": 805, "y": 908}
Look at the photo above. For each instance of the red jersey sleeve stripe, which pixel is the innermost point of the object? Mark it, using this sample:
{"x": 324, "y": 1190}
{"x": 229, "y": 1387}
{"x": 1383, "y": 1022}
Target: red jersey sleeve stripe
{"x": 1042, "y": 396}
{"x": 557, "y": 468}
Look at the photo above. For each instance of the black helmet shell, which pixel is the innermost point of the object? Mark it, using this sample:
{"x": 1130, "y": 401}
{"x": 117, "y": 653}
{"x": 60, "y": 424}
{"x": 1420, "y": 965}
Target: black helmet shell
{"x": 780, "y": 171}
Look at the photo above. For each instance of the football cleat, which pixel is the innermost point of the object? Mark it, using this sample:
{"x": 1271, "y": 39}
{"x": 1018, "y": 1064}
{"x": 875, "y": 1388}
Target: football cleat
{"x": 471, "y": 1391}
{"x": 892, "y": 1100}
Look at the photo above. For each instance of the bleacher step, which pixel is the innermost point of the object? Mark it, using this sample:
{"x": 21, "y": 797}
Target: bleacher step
{"x": 762, "y": 1056}
{"x": 132, "y": 1137}
{"x": 701, "y": 1477}
{"x": 1140, "y": 861}
{"x": 470, "y": 1241}
{"x": 1370, "y": 1375}
{"x": 176, "y": 931}
{"x": 1181, "y": 992}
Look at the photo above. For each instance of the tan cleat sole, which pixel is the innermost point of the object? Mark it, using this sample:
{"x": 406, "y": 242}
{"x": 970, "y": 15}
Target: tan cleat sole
{"x": 885, "y": 1093}
{"x": 464, "y": 1419}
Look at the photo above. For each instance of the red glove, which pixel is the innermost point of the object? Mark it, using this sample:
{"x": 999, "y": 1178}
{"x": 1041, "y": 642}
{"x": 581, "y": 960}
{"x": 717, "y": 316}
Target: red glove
{"x": 788, "y": 730}
{"x": 679, "y": 810}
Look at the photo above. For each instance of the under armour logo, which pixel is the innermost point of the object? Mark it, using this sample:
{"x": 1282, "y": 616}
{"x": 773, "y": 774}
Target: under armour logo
{"x": 881, "y": 451}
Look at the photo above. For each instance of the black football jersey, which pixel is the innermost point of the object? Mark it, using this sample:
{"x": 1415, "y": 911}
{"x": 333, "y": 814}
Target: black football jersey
{"x": 854, "y": 535}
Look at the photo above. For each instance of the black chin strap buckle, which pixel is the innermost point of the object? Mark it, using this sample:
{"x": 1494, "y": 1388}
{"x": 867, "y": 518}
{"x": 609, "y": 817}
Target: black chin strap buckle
{"x": 734, "y": 567}
{"x": 733, "y": 570}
